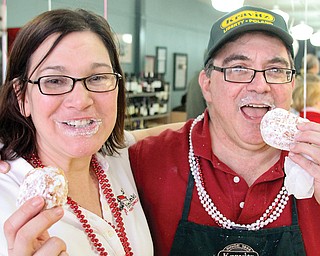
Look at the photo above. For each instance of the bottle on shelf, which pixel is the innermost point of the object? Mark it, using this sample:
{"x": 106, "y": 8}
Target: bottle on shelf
{"x": 148, "y": 100}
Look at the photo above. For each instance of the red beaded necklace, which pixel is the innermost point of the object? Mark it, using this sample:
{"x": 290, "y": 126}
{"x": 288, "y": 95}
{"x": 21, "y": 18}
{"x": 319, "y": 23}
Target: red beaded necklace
{"x": 34, "y": 160}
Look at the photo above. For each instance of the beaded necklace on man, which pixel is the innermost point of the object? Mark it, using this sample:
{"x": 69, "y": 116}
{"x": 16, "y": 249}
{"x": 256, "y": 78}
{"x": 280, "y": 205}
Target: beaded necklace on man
{"x": 271, "y": 214}
{"x": 35, "y": 161}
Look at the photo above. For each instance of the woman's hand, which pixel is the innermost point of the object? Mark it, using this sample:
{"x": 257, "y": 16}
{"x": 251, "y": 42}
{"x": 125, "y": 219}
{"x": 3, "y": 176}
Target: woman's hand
{"x": 26, "y": 230}
{"x": 307, "y": 142}
{"x": 4, "y": 166}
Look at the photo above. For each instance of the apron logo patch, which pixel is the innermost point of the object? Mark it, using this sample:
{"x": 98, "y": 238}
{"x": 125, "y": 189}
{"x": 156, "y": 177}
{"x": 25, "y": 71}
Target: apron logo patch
{"x": 238, "y": 249}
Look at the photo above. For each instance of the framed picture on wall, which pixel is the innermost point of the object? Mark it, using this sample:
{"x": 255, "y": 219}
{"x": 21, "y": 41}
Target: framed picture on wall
{"x": 125, "y": 47}
{"x": 180, "y": 67}
{"x": 161, "y": 60}
{"x": 149, "y": 63}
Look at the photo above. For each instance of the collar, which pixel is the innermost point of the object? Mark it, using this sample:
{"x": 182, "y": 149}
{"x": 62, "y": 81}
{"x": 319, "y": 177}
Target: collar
{"x": 201, "y": 139}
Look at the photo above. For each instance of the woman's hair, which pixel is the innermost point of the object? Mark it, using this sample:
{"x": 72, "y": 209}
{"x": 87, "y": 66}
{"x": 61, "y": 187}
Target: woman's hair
{"x": 17, "y": 132}
{"x": 312, "y": 64}
{"x": 312, "y": 92}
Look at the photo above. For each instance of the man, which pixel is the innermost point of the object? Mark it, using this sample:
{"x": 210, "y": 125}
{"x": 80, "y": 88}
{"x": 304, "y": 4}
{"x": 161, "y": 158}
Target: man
{"x": 214, "y": 187}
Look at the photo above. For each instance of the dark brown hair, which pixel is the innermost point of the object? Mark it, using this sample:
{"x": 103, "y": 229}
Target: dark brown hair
{"x": 17, "y": 133}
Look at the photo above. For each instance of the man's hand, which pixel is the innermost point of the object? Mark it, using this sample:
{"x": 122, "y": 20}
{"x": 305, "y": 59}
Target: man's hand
{"x": 307, "y": 142}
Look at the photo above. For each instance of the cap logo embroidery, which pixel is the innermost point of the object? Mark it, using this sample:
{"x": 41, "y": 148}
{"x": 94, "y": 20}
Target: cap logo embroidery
{"x": 246, "y": 17}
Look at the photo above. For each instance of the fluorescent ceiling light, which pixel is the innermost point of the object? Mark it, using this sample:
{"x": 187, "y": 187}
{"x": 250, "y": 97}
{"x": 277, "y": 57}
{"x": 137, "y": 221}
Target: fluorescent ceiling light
{"x": 301, "y": 31}
{"x": 127, "y": 38}
{"x": 226, "y": 6}
{"x": 277, "y": 10}
{"x": 315, "y": 39}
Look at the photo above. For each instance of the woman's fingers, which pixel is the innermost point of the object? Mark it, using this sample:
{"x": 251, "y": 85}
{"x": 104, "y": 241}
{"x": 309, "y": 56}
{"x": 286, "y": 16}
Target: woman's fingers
{"x": 53, "y": 246}
{"x": 20, "y": 218}
{"x": 4, "y": 167}
{"x": 26, "y": 229}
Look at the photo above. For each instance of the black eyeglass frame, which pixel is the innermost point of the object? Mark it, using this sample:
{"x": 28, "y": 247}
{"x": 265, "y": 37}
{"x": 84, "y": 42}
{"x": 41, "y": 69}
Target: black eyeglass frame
{"x": 223, "y": 70}
{"x": 37, "y": 82}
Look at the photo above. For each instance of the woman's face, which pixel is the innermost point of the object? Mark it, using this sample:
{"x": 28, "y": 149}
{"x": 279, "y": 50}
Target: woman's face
{"x": 78, "y": 123}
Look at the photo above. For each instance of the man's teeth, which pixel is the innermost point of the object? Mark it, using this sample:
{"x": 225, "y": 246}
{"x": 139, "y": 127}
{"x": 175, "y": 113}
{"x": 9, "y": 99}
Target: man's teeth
{"x": 257, "y": 106}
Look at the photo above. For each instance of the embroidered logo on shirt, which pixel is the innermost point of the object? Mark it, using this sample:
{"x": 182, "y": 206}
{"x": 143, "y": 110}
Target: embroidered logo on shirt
{"x": 238, "y": 249}
{"x": 126, "y": 203}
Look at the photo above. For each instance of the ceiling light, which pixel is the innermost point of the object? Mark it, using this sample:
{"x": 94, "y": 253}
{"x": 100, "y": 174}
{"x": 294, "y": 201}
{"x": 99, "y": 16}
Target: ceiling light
{"x": 226, "y": 6}
{"x": 315, "y": 39}
{"x": 127, "y": 38}
{"x": 301, "y": 31}
{"x": 285, "y": 15}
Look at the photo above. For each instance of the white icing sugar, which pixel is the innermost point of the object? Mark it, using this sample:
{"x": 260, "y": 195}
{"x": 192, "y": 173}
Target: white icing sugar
{"x": 278, "y": 128}
{"x": 48, "y": 182}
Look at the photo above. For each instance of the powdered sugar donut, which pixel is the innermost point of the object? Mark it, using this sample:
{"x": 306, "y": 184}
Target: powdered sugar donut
{"x": 48, "y": 182}
{"x": 278, "y": 128}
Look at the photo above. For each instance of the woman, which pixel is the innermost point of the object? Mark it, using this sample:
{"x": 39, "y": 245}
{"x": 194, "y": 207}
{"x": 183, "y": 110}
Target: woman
{"x": 63, "y": 104}
{"x": 312, "y": 101}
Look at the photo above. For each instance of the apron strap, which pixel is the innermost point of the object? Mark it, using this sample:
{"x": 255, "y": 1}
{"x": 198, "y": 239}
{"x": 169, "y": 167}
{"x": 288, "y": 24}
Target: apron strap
{"x": 188, "y": 198}
{"x": 294, "y": 212}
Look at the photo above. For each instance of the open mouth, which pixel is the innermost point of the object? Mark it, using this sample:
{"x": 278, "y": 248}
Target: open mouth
{"x": 84, "y": 127}
{"x": 80, "y": 123}
{"x": 255, "y": 111}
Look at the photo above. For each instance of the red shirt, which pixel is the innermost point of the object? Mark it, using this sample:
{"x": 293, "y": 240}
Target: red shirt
{"x": 313, "y": 116}
{"x": 161, "y": 168}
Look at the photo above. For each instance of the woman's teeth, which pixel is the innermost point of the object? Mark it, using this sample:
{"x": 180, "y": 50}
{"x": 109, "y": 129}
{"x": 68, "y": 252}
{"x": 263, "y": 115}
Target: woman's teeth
{"x": 79, "y": 123}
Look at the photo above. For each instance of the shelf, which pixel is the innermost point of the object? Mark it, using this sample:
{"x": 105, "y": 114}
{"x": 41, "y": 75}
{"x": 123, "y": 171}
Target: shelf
{"x": 132, "y": 119}
{"x": 144, "y": 94}
{"x": 143, "y": 105}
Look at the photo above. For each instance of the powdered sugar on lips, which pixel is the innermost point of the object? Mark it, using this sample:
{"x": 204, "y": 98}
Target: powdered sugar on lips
{"x": 83, "y": 127}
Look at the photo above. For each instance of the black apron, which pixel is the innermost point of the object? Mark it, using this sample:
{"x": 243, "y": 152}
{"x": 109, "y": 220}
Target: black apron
{"x": 201, "y": 240}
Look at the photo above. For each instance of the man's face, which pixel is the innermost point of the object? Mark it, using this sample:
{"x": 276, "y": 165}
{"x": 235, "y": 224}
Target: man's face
{"x": 236, "y": 109}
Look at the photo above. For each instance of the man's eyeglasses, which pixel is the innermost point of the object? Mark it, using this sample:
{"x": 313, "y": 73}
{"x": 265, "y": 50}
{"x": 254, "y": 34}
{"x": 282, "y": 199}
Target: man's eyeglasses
{"x": 59, "y": 84}
{"x": 246, "y": 75}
